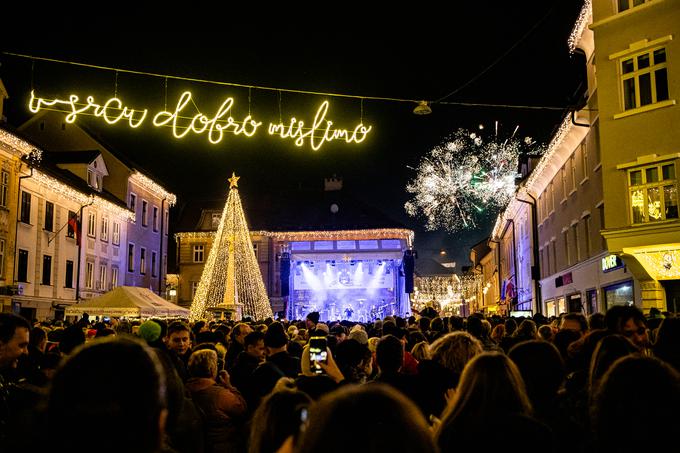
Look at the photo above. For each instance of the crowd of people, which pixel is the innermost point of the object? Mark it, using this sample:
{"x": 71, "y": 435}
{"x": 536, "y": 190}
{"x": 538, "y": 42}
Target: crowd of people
{"x": 606, "y": 382}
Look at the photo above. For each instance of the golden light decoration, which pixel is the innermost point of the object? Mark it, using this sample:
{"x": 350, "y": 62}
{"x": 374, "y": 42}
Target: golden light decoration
{"x": 581, "y": 24}
{"x": 153, "y": 187}
{"x": 23, "y": 147}
{"x": 232, "y": 243}
{"x": 82, "y": 199}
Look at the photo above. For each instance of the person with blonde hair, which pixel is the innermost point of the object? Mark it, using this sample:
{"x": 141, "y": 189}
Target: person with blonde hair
{"x": 421, "y": 351}
{"x": 491, "y": 392}
{"x": 222, "y": 404}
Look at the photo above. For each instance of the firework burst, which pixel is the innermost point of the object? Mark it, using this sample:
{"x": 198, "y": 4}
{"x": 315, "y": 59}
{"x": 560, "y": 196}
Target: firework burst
{"x": 465, "y": 178}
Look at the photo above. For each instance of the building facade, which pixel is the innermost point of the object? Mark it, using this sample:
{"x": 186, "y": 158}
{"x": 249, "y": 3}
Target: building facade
{"x": 638, "y": 82}
{"x": 146, "y": 235}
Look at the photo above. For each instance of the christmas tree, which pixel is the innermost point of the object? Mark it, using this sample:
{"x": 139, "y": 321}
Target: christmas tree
{"x": 231, "y": 279}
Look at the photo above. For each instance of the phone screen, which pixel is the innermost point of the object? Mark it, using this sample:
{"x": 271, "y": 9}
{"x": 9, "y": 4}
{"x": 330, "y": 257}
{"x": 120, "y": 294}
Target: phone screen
{"x": 317, "y": 353}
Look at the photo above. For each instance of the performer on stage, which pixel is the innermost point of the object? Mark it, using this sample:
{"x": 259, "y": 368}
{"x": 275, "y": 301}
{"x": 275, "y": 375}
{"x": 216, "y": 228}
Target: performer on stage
{"x": 349, "y": 312}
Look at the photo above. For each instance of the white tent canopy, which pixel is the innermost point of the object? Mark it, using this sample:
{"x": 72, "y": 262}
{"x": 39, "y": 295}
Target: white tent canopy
{"x": 128, "y": 301}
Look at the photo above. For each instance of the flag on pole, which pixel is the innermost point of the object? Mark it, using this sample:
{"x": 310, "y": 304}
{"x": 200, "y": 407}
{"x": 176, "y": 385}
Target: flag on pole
{"x": 74, "y": 226}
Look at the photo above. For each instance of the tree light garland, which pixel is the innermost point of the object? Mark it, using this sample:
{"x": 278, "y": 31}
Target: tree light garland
{"x": 580, "y": 25}
{"x": 247, "y": 279}
{"x": 468, "y": 174}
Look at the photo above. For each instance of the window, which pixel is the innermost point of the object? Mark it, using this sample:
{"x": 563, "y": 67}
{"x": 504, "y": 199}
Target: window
{"x": 627, "y": 4}
{"x": 101, "y": 284}
{"x": 105, "y": 229}
{"x": 165, "y": 265}
{"x": 133, "y": 203}
{"x": 47, "y": 270}
{"x": 155, "y": 218}
{"x": 69, "y": 230}
{"x": 49, "y": 216}
{"x": 216, "y": 217}
{"x": 567, "y": 251}
{"x": 586, "y": 233}
{"x": 577, "y": 245}
{"x": 116, "y": 233}
{"x": 584, "y": 158}
{"x": 255, "y": 250}
{"x": 22, "y": 266}
{"x": 552, "y": 197}
{"x": 89, "y": 275}
{"x": 153, "y": 265}
{"x": 145, "y": 216}
{"x": 653, "y": 193}
{"x": 198, "y": 253}
{"x": 94, "y": 180}
{"x": 194, "y": 288}
{"x": 572, "y": 162}
{"x": 554, "y": 255}
{"x": 644, "y": 78}
{"x": 25, "y": 207}
{"x": 2, "y": 258}
{"x": 131, "y": 257}
{"x": 68, "y": 280}
{"x": 600, "y": 210}
{"x": 4, "y": 187}
{"x": 142, "y": 260}
{"x": 114, "y": 277}
{"x": 167, "y": 222}
{"x": 92, "y": 224}
{"x": 565, "y": 190}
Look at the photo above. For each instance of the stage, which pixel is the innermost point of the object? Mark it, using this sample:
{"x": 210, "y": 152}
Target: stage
{"x": 361, "y": 286}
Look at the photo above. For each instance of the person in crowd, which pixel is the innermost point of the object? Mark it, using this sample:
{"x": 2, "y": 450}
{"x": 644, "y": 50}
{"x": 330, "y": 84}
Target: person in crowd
{"x": 389, "y": 356}
{"x": 112, "y": 389}
{"x": 527, "y": 330}
{"x": 14, "y": 341}
{"x": 276, "y": 342}
{"x": 667, "y": 344}
{"x": 574, "y": 321}
{"x": 497, "y": 333}
{"x": 596, "y": 321}
{"x": 221, "y": 404}
{"x": 475, "y": 326}
{"x": 626, "y": 418}
{"x": 237, "y": 343}
{"x": 29, "y": 365}
{"x": 278, "y": 418}
{"x": 354, "y": 360}
{"x": 421, "y": 351}
{"x": 438, "y": 377}
{"x": 339, "y": 332}
{"x": 608, "y": 350}
{"x": 373, "y": 418}
{"x": 178, "y": 344}
{"x": 71, "y": 338}
{"x": 491, "y": 388}
{"x": 546, "y": 333}
{"x": 508, "y": 340}
{"x": 247, "y": 361}
{"x": 312, "y": 320}
{"x": 628, "y": 321}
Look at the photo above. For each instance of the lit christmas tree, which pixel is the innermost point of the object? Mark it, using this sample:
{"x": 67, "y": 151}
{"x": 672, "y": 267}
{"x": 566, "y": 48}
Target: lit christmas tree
{"x": 231, "y": 279}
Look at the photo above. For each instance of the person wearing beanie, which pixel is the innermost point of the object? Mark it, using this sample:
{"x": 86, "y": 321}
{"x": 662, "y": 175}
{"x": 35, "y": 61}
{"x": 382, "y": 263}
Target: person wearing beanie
{"x": 323, "y": 327}
{"x": 150, "y": 331}
{"x": 360, "y": 336}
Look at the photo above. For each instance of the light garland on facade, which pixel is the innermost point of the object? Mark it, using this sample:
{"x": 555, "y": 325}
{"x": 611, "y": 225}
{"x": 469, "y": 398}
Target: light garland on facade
{"x": 581, "y": 24}
{"x": 211, "y": 234}
{"x": 22, "y": 146}
{"x": 247, "y": 283}
{"x": 153, "y": 187}
{"x": 512, "y": 206}
{"x": 382, "y": 233}
{"x": 82, "y": 199}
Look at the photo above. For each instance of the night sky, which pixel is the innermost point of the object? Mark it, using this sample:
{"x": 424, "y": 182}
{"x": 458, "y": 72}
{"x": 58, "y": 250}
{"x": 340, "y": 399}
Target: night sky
{"x": 405, "y": 54}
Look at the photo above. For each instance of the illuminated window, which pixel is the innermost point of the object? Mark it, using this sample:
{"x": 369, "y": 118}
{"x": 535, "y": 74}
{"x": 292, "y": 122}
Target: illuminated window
{"x": 89, "y": 276}
{"x": 644, "y": 78}
{"x": 194, "y": 288}
{"x": 105, "y": 229}
{"x": 101, "y": 284}
{"x": 114, "y": 277}
{"x": 198, "y": 253}
{"x": 116, "y": 233}
{"x": 624, "y": 5}
{"x": 145, "y": 213}
{"x": 653, "y": 193}
{"x": 142, "y": 260}
{"x": 2, "y": 258}
{"x": 4, "y": 187}
{"x": 92, "y": 224}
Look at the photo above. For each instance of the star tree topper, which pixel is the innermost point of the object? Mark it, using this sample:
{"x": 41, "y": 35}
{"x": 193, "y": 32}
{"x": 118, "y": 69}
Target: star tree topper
{"x": 233, "y": 181}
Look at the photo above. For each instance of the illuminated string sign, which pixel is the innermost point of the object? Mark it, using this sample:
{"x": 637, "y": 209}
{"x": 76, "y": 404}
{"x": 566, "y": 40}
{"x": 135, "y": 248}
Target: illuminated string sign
{"x": 214, "y": 128}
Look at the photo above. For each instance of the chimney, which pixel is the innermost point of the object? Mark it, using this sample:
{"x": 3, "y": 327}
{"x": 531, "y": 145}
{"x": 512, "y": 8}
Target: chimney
{"x": 332, "y": 184}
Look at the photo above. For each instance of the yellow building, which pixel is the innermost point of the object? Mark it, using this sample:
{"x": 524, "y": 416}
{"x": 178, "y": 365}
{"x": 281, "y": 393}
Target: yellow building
{"x": 12, "y": 149}
{"x": 638, "y": 79}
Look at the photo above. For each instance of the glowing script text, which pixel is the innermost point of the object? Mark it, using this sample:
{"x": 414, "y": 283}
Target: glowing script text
{"x": 316, "y": 134}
